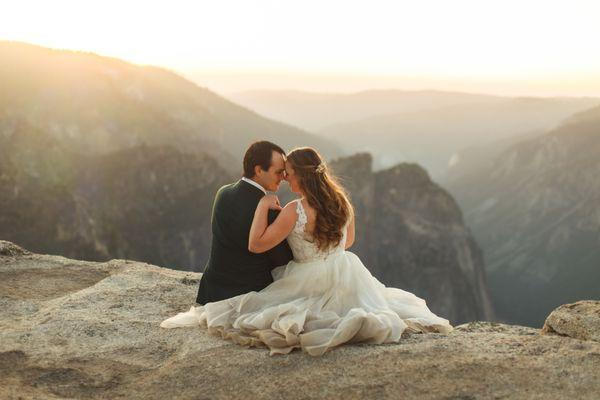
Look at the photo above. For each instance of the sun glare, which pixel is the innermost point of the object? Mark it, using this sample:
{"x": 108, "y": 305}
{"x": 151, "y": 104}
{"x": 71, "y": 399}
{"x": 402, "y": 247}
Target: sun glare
{"x": 460, "y": 40}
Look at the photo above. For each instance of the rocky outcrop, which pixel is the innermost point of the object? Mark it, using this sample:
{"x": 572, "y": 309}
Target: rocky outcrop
{"x": 411, "y": 235}
{"x": 579, "y": 320}
{"x": 75, "y": 329}
{"x": 356, "y": 175}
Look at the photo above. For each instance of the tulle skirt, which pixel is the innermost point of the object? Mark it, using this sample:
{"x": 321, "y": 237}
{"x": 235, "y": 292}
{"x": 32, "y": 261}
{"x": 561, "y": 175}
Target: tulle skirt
{"x": 316, "y": 306}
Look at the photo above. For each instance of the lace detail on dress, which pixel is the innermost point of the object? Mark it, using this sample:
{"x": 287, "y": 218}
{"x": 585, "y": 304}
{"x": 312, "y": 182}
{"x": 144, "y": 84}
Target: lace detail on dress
{"x": 303, "y": 245}
{"x": 302, "y": 218}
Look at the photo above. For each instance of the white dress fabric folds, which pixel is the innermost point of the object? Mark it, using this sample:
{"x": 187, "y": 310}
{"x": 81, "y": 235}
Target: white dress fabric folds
{"x": 317, "y": 301}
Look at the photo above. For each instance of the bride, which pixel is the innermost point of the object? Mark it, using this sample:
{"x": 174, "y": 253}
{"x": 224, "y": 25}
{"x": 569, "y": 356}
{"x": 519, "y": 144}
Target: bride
{"x": 325, "y": 296}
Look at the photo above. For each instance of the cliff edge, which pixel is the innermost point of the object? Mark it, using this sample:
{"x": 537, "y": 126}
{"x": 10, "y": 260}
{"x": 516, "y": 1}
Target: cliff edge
{"x": 77, "y": 329}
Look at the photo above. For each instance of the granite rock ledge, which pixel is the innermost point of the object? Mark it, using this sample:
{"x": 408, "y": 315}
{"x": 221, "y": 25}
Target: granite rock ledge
{"x": 78, "y": 329}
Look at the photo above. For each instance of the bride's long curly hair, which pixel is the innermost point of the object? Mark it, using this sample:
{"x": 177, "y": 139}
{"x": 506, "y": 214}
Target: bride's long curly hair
{"x": 324, "y": 194}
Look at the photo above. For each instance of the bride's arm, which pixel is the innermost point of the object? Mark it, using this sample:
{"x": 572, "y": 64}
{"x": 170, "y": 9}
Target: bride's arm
{"x": 264, "y": 237}
{"x": 350, "y": 233}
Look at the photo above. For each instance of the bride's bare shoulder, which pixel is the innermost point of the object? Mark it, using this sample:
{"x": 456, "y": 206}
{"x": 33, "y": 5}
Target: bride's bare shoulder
{"x": 293, "y": 204}
{"x": 289, "y": 209}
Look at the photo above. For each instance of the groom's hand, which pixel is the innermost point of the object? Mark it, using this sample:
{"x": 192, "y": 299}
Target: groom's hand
{"x": 271, "y": 201}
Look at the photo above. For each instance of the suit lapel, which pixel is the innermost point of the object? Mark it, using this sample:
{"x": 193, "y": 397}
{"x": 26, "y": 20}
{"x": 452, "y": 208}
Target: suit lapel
{"x": 249, "y": 187}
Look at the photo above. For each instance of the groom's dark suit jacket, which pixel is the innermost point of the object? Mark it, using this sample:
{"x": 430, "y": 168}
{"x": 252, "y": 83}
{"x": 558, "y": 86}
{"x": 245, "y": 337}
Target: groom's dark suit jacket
{"x": 232, "y": 269}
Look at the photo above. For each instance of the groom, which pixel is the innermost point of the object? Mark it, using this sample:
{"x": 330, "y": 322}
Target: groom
{"x": 232, "y": 269}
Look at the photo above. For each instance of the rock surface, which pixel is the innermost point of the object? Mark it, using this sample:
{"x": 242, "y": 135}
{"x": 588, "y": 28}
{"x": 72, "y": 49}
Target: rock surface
{"x": 75, "y": 329}
{"x": 579, "y": 320}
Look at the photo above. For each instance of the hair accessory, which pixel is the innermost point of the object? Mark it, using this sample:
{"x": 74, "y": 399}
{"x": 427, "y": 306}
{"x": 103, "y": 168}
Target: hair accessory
{"x": 320, "y": 168}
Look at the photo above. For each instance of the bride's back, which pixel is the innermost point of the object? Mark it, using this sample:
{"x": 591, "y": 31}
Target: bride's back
{"x": 301, "y": 239}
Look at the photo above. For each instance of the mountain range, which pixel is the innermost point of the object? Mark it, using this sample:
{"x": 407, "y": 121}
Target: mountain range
{"x": 95, "y": 105}
{"x": 317, "y": 111}
{"x": 534, "y": 210}
{"x": 426, "y": 127}
{"x": 102, "y": 159}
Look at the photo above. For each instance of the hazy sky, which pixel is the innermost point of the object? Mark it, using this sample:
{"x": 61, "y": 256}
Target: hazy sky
{"x": 546, "y": 47}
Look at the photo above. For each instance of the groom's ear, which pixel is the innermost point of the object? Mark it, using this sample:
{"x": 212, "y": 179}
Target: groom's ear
{"x": 257, "y": 170}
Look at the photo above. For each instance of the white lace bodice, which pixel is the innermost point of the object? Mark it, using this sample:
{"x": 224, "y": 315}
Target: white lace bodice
{"x": 302, "y": 244}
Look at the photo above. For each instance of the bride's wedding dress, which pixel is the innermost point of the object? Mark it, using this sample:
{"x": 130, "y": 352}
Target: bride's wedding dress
{"x": 317, "y": 301}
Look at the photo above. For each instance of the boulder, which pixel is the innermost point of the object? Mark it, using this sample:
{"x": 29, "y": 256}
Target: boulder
{"x": 580, "y": 320}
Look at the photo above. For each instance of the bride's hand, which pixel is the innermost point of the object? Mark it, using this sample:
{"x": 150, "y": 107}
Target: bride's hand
{"x": 271, "y": 201}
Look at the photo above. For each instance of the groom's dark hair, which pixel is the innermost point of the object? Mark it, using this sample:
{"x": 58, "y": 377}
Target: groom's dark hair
{"x": 259, "y": 153}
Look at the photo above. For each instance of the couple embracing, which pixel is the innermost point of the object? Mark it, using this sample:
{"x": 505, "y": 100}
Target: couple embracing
{"x": 281, "y": 277}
